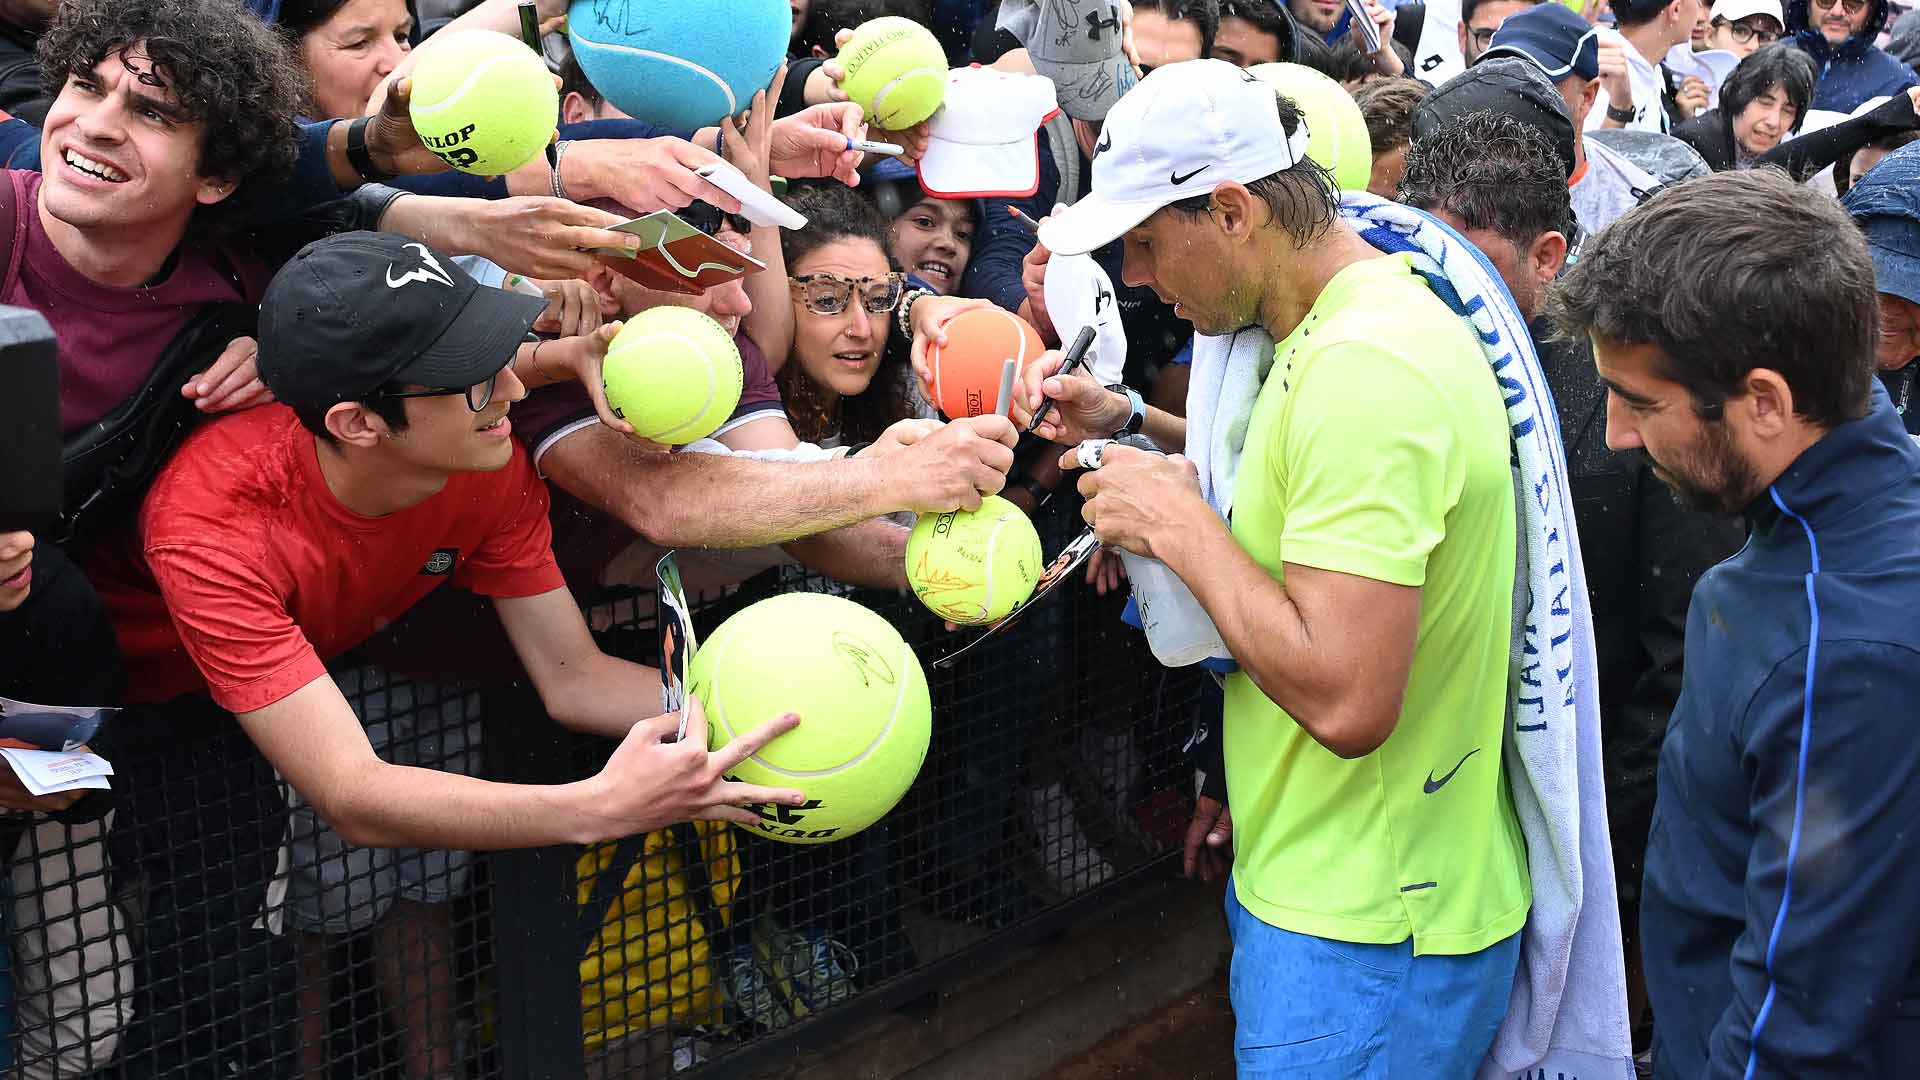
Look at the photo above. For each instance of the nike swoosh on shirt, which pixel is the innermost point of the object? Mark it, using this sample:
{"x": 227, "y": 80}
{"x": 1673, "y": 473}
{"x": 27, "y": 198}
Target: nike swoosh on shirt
{"x": 1433, "y": 785}
{"x": 1178, "y": 179}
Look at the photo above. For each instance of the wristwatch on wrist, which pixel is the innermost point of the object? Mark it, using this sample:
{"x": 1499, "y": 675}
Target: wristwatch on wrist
{"x": 359, "y": 157}
{"x": 1624, "y": 116}
{"x": 1136, "y": 410}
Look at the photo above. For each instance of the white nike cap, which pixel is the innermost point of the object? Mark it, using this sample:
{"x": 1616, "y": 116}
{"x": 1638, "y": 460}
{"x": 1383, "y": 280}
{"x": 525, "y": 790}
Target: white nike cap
{"x": 1184, "y": 130}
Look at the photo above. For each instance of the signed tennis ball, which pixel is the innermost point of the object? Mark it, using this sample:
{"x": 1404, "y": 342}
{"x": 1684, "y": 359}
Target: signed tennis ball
{"x": 673, "y": 373}
{"x": 896, "y": 71}
{"x": 483, "y": 102}
{"x": 861, "y": 695}
{"x": 966, "y": 372}
{"x": 974, "y": 566}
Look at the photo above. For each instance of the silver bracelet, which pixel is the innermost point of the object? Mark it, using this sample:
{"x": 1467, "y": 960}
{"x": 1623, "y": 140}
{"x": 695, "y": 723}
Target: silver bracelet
{"x": 559, "y": 155}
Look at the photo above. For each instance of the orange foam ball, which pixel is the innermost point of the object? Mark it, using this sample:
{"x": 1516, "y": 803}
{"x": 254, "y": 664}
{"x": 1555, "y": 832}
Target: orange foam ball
{"x": 966, "y": 373}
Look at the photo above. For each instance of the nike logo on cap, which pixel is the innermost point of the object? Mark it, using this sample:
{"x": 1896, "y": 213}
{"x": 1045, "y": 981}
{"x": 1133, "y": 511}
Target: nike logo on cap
{"x": 1433, "y": 785}
{"x": 1178, "y": 179}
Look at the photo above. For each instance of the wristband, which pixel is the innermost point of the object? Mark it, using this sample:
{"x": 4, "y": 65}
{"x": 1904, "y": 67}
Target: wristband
{"x": 357, "y": 154}
{"x": 1624, "y": 116}
{"x": 1136, "y": 410}
{"x": 906, "y": 311}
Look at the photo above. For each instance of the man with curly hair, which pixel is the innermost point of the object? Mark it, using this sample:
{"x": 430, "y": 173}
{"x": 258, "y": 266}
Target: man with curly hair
{"x": 163, "y": 111}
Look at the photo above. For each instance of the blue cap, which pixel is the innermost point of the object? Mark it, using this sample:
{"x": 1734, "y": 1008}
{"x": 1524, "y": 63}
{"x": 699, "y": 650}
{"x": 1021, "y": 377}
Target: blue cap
{"x": 1554, "y": 37}
{"x": 1886, "y": 205}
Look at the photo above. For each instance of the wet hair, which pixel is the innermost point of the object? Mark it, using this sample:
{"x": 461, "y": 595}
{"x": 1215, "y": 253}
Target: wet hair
{"x": 227, "y": 70}
{"x": 1492, "y": 172}
{"x": 1778, "y": 279}
{"x": 1204, "y": 14}
{"x": 825, "y": 18}
{"x": 836, "y": 212}
{"x": 1304, "y": 198}
{"x": 1387, "y": 105}
{"x": 573, "y": 80}
{"x": 1779, "y": 65}
{"x": 1265, "y": 16}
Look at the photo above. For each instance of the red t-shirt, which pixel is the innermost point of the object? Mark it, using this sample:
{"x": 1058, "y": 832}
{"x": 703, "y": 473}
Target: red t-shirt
{"x": 244, "y": 574}
{"x": 110, "y": 338}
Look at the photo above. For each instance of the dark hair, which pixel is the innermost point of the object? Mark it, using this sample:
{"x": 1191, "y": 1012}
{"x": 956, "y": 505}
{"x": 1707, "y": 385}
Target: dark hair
{"x": 227, "y": 70}
{"x": 573, "y": 80}
{"x": 1779, "y": 65}
{"x": 1387, "y": 105}
{"x": 837, "y": 212}
{"x": 1266, "y": 16}
{"x": 1492, "y": 172}
{"x": 1637, "y": 12}
{"x": 1345, "y": 63}
{"x": 393, "y": 411}
{"x": 298, "y": 18}
{"x": 1843, "y": 169}
{"x": 1780, "y": 279}
{"x": 1468, "y": 7}
{"x": 826, "y": 18}
{"x": 1304, "y": 199}
{"x": 1204, "y": 14}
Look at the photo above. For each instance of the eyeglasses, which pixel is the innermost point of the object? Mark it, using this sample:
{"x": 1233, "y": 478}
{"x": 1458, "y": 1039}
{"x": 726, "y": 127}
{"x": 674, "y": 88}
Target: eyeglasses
{"x": 1483, "y": 37}
{"x": 829, "y": 294}
{"x": 1854, "y": 7}
{"x": 1744, "y": 32}
{"x": 479, "y": 395}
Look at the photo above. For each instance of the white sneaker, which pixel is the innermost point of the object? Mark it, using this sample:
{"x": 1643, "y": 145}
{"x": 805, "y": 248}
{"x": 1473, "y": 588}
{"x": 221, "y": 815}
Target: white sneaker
{"x": 1066, "y": 855}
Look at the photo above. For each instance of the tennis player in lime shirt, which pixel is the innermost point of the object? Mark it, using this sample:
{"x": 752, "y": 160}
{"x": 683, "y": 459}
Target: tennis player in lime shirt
{"x": 1364, "y": 586}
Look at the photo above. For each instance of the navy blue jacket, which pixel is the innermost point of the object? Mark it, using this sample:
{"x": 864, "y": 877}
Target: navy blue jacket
{"x": 1853, "y": 71}
{"x": 1780, "y": 919}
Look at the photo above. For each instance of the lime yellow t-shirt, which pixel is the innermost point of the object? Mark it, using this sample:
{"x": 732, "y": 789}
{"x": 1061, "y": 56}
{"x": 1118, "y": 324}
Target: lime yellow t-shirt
{"x": 1378, "y": 447}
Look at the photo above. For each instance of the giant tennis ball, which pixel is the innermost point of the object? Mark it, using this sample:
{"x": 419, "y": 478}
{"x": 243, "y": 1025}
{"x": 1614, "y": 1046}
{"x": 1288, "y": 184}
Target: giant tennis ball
{"x": 673, "y": 373}
{"x": 862, "y": 700}
{"x": 681, "y": 64}
{"x": 483, "y": 102}
{"x": 896, "y": 71}
{"x": 974, "y": 566}
{"x": 966, "y": 371}
{"x": 1336, "y": 132}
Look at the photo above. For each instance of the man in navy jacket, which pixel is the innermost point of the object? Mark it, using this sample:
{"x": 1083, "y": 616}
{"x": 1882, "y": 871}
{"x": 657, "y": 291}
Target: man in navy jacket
{"x": 1839, "y": 35}
{"x": 1777, "y": 917}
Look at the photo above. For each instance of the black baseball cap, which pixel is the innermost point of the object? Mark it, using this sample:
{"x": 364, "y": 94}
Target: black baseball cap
{"x": 357, "y": 310}
{"x": 1504, "y": 85}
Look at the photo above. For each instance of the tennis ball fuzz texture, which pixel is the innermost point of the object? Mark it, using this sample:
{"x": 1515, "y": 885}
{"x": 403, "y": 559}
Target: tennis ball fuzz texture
{"x": 681, "y": 64}
{"x": 673, "y": 373}
{"x": 861, "y": 694}
{"x": 974, "y": 566}
{"x": 484, "y": 102}
{"x": 1337, "y": 136}
{"x": 896, "y": 71}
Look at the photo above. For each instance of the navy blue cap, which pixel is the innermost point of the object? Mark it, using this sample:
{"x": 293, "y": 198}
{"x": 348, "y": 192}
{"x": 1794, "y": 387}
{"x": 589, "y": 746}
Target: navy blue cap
{"x": 1886, "y": 205}
{"x": 1554, "y": 37}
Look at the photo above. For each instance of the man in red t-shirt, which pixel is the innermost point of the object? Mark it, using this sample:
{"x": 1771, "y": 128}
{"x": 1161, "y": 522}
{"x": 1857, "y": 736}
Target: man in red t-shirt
{"x": 282, "y": 536}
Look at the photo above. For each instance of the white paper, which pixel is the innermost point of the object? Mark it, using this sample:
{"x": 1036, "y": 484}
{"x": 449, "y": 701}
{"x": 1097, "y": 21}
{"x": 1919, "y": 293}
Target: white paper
{"x": 44, "y": 772}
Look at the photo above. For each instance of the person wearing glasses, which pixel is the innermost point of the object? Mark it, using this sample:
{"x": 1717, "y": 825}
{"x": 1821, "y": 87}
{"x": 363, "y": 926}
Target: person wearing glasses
{"x": 1840, "y": 36}
{"x": 1742, "y": 26}
{"x": 281, "y": 537}
{"x": 1762, "y": 107}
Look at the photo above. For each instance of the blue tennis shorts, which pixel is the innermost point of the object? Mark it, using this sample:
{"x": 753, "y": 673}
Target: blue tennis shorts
{"x": 1310, "y": 1008}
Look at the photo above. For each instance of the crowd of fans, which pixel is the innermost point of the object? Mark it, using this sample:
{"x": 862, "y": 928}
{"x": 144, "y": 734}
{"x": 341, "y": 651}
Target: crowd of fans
{"x": 285, "y": 443}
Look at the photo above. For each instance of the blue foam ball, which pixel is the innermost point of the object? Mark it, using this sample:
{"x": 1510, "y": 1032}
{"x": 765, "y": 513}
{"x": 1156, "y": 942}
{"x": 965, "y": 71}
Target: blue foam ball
{"x": 677, "y": 63}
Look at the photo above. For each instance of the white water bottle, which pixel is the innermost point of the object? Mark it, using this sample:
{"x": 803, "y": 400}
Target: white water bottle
{"x": 1178, "y": 629}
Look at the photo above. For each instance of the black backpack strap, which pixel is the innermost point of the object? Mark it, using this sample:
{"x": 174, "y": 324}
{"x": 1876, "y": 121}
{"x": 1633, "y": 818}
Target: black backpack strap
{"x": 109, "y": 464}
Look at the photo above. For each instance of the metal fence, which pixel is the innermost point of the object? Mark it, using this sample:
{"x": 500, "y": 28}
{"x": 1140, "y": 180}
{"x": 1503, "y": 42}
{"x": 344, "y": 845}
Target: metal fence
{"x": 215, "y": 927}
